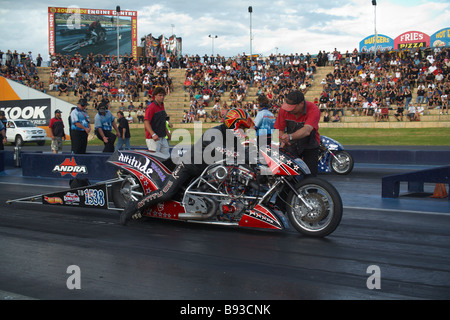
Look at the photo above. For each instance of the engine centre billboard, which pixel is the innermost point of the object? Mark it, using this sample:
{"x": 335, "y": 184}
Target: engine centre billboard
{"x": 81, "y": 31}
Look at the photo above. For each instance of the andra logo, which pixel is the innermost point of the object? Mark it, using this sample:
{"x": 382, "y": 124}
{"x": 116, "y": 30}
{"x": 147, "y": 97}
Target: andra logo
{"x": 70, "y": 167}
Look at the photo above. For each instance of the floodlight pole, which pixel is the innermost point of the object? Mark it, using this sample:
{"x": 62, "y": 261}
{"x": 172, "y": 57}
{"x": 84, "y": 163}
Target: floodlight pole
{"x": 250, "y": 10}
{"x": 374, "y": 3}
{"x": 118, "y": 34}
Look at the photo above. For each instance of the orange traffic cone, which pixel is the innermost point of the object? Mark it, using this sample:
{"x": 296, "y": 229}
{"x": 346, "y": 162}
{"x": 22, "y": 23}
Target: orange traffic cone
{"x": 440, "y": 191}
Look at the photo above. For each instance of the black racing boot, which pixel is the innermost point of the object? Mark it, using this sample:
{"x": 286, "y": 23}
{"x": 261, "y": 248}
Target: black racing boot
{"x": 129, "y": 211}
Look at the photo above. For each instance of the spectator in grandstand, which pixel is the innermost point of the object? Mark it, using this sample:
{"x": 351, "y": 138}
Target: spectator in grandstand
{"x": 63, "y": 89}
{"x": 384, "y": 113}
{"x": 399, "y": 114}
{"x": 129, "y": 118}
{"x": 201, "y": 114}
{"x": 411, "y": 113}
{"x": 39, "y": 60}
{"x": 420, "y": 94}
{"x": 140, "y": 114}
{"x": 185, "y": 118}
{"x": 407, "y": 95}
{"x": 444, "y": 99}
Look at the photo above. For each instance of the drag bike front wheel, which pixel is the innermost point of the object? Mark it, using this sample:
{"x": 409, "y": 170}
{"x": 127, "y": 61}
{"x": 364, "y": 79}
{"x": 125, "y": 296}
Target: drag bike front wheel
{"x": 316, "y": 209}
{"x": 342, "y": 162}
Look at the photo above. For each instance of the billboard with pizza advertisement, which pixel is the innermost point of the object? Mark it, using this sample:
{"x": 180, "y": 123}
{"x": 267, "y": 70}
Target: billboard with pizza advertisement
{"x": 412, "y": 40}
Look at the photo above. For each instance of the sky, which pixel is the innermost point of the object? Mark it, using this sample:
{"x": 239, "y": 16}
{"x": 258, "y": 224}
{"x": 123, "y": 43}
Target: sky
{"x": 278, "y": 26}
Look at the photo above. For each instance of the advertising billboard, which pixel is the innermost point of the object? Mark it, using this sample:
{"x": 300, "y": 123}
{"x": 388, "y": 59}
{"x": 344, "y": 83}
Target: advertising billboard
{"x": 19, "y": 101}
{"x": 412, "y": 40}
{"x": 440, "y": 38}
{"x": 384, "y": 43}
{"x": 81, "y": 31}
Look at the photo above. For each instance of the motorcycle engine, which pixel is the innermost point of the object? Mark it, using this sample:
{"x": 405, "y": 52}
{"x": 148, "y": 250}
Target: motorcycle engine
{"x": 233, "y": 184}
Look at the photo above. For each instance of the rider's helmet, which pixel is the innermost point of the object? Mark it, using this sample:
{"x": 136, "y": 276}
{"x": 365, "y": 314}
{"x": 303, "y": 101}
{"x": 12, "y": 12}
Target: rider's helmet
{"x": 237, "y": 120}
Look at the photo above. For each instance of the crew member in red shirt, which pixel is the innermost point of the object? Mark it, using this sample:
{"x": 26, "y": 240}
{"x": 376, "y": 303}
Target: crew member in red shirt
{"x": 298, "y": 123}
{"x": 155, "y": 125}
{"x": 57, "y": 134}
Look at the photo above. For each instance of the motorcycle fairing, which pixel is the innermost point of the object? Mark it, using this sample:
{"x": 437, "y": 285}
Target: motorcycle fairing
{"x": 324, "y": 165}
{"x": 150, "y": 172}
{"x": 282, "y": 164}
{"x": 330, "y": 144}
{"x": 261, "y": 217}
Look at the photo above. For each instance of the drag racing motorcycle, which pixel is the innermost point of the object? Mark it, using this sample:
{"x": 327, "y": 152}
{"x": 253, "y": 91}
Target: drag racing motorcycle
{"x": 92, "y": 38}
{"x": 273, "y": 193}
{"x": 333, "y": 157}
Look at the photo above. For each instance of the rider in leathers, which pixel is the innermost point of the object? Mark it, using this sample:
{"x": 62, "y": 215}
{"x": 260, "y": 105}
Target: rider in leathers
{"x": 217, "y": 140}
{"x": 94, "y": 29}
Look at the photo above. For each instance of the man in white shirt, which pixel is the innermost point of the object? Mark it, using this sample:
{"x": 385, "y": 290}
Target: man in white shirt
{"x": 411, "y": 112}
{"x": 201, "y": 113}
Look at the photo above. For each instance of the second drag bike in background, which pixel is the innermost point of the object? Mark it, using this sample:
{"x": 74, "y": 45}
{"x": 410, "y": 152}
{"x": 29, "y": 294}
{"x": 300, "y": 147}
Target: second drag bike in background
{"x": 333, "y": 157}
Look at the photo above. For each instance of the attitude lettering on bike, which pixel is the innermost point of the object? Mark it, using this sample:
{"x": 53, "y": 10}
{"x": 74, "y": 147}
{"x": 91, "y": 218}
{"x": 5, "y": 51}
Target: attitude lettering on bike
{"x": 141, "y": 167}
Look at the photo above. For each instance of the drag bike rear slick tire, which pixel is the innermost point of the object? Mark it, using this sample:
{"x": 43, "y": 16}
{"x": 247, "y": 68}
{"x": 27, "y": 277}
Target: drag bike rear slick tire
{"x": 332, "y": 222}
{"x": 349, "y": 160}
{"x": 120, "y": 201}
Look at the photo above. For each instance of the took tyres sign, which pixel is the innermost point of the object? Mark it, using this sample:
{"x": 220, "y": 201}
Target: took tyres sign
{"x": 35, "y": 110}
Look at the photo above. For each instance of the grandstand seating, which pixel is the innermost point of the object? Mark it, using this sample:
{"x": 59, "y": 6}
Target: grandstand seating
{"x": 178, "y": 101}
